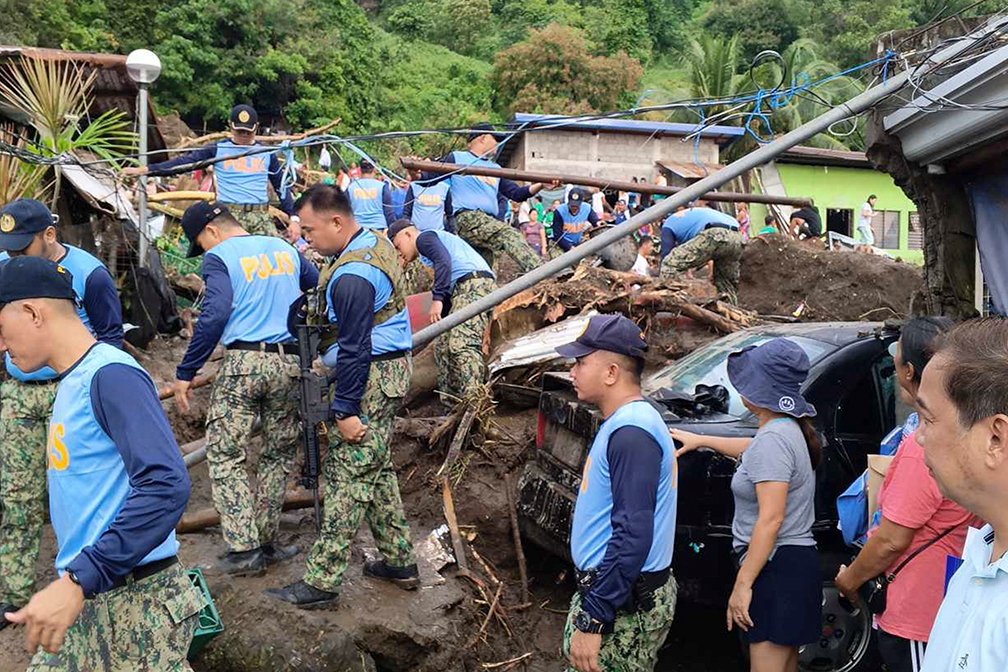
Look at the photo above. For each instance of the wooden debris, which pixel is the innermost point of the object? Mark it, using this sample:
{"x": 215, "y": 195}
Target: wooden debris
{"x": 516, "y": 536}
{"x": 461, "y": 434}
{"x": 261, "y": 139}
{"x": 507, "y": 663}
{"x": 204, "y": 518}
{"x": 456, "y": 538}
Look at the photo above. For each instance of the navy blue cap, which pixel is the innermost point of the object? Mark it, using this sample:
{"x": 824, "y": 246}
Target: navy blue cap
{"x": 612, "y": 333}
{"x": 20, "y": 220}
{"x": 481, "y": 129}
{"x": 244, "y": 118}
{"x": 195, "y": 219}
{"x": 397, "y": 226}
{"x": 771, "y": 375}
{"x": 575, "y": 196}
{"x": 34, "y": 278}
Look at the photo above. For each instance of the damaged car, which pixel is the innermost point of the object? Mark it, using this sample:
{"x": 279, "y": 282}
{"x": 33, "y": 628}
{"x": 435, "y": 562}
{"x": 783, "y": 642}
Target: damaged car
{"x": 851, "y": 383}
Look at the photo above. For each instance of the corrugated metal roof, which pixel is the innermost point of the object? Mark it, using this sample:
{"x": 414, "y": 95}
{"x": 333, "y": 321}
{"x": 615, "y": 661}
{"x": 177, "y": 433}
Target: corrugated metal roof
{"x": 825, "y": 157}
{"x": 690, "y": 169}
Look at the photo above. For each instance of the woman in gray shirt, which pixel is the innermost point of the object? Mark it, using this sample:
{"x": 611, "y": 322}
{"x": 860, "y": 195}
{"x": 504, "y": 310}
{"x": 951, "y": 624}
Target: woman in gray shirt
{"x": 777, "y": 597}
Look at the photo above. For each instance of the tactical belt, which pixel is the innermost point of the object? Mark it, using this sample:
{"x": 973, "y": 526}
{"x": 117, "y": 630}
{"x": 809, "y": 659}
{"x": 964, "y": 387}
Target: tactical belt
{"x": 641, "y": 594}
{"x": 247, "y": 207}
{"x": 718, "y": 225}
{"x": 389, "y": 356}
{"x": 473, "y": 276}
{"x": 37, "y": 382}
{"x": 144, "y": 571}
{"x": 288, "y": 348}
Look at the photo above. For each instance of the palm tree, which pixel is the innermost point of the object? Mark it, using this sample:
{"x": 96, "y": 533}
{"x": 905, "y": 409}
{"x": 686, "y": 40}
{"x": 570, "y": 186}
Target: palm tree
{"x": 53, "y": 99}
{"x": 19, "y": 179}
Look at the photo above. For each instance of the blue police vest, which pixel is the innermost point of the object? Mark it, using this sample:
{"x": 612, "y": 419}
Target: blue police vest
{"x": 242, "y": 179}
{"x": 392, "y": 335}
{"x": 86, "y": 475}
{"x": 80, "y": 264}
{"x": 474, "y": 192}
{"x": 429, "y": 205}
{"x": 366, "y": 199}
{"x": 265, "y": 274}
{"x": 687, "y": 224}
{"x": 570, "y": 218}
{"x": 592, "y": 525}
{"x": 464, "y": 258}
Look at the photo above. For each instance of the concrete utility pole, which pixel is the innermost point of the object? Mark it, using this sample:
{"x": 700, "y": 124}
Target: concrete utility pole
{"x": 667, "y": 206}
{"x": 143, "y": 67}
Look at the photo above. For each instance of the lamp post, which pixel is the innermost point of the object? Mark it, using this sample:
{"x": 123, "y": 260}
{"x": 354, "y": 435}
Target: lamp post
{"x": 143, "y": 67}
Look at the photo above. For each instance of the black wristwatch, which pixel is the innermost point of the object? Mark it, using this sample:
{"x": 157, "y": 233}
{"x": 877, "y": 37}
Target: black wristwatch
{"x": 73, "y": 577}
{"x": 341, "y": 416}
{"x": 588, "y": 625}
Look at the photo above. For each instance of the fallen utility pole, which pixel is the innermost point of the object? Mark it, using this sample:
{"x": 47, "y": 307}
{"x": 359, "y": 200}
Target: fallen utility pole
{"x": 667, "y": 206}
{"x": 600, "y": 182}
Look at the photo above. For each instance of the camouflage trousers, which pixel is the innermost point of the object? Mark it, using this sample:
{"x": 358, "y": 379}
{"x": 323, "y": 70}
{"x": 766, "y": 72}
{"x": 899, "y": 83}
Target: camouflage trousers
{"x": 633, "y": 644}
{"x": 417, "y": 278}
{"x": 256, "y": 222}
{"x": 251, "y": 384}
{"x": 459, "y": 353}
{"x": 24, "y": 418}
{"x": 722, "y": 246}
{"x": 145, "y": 626}
{"x": 360, "y": 483}
{"x": 491, "y": 237}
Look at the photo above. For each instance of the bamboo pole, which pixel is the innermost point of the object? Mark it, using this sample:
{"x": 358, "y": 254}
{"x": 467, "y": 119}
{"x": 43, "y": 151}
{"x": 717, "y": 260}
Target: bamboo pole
{"x": 601, "y": 183}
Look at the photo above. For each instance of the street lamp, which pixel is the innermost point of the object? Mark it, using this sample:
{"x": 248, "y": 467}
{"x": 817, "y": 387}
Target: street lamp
{"x": 143, "y": 67}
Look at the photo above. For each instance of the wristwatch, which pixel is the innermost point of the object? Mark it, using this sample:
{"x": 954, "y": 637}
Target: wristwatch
{"x": 340, "y": 416}
{"x": 588, "y": 625}
{"x": 73, "y": 577}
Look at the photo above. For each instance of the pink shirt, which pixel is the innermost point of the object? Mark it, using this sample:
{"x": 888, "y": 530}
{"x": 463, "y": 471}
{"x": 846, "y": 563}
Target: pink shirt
{"x": 910, "y": 497}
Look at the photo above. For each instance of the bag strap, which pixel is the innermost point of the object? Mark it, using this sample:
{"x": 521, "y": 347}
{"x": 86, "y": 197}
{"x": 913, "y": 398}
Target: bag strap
{"x": 892, "y": 574}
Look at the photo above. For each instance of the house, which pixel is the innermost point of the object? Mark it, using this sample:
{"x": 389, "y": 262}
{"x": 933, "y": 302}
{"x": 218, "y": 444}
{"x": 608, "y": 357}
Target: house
{"x": 839, "y": 182}
{"x": 621, "y": 149}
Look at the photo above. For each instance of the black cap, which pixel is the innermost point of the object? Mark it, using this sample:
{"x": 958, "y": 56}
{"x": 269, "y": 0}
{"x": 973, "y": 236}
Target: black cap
{"x": 481, "y": 129}
{"x": 195, "y": 219}
{"x": 20, "y": 220}
{"x": 34, "y": 278}
{"x": 613, "y": 333}
{"x": 575, "y": 196}
{"x": 244, "y": 118}
{"x": 397, "y": 226}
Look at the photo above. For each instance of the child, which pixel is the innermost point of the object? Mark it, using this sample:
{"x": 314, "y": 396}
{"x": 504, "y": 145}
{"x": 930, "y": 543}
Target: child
{"x": 644, "y": 249}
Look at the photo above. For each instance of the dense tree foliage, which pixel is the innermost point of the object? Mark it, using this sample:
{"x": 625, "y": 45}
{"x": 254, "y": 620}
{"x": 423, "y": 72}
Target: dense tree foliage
{"x": 441, "y": 63}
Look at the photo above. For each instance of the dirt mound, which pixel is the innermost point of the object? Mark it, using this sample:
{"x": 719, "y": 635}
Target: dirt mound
{"x": 778, "y": 275}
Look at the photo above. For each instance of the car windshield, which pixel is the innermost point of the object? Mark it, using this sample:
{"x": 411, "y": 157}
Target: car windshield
{"x": 709, "y": 366}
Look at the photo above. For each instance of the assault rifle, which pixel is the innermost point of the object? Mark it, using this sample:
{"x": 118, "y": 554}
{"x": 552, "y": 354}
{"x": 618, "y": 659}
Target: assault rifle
{"x": 314, "y": 409}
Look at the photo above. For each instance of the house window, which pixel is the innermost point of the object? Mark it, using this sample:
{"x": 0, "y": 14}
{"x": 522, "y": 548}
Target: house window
{"x": 915, "y": 236}
{"x": 839, "y": 221}
{"x": 885, "y": 225}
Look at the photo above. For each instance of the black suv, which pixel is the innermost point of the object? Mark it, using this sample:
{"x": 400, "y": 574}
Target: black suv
{"x": 852, "y": 385}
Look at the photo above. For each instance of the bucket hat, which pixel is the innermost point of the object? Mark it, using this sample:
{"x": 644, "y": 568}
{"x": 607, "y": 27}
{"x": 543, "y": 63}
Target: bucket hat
{"x": 771, "y": 375}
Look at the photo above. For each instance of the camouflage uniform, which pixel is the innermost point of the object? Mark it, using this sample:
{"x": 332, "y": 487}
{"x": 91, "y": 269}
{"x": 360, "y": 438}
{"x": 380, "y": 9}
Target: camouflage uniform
{"x": 251, "y": 384}
{"x": 24, "y": 418}
{"x": 360, "y": 483}
{"x": 417, "y": 278}
{"x": 491, "y": 237}
{"x": 145, "y": 626}
{"x": 722, "y": 246}
{"x": 634, "y": 642}
{"x": 459, "y": 353}
{"x": 256, "y": 222}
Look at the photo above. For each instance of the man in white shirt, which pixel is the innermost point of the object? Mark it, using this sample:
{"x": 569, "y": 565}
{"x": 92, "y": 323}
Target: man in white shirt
{"x": 644, "y": 249}
{"x": 864, "y": 233}
{"x": 963, "y": 404}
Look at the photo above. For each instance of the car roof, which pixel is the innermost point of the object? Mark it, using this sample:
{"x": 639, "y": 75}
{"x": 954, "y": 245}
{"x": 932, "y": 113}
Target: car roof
{"x": 837, "y": 334}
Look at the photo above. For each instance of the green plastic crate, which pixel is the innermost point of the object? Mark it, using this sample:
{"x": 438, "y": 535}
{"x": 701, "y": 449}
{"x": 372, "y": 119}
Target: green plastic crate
{"x": 210, "y": 624}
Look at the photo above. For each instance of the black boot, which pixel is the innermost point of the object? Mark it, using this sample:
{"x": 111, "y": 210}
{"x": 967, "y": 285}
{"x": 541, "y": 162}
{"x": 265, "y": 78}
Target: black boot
{"x": 278, "y": 553}
{"x": 243, "y": 563}
{"x": 407, "y": 578}
{"x": 4, "y": 608}
{"x": 304, "y": 596}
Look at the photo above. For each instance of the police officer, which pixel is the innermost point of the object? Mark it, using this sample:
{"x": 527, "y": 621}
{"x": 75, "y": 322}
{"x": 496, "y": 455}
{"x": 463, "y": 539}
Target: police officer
{"x": 691, "y": 237}
{"x": 117, "y": 488}
{"x": 28, "y": 228}
{"x": 625, "y": 514}
{"x": 475, "y": 205}
{"x": 428, "y": 204}
{"x": 371, "y": 199}
{"x": 240, "y": 172}
{"x": 367, "y": 339}
{"x": 575, "y": 219}
{"x": 251, "y": 281}
{"x": 461, "y": 277}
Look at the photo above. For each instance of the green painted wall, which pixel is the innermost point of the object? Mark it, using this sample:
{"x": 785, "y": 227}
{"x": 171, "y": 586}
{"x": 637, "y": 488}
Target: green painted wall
{"x": 846, "y": 188}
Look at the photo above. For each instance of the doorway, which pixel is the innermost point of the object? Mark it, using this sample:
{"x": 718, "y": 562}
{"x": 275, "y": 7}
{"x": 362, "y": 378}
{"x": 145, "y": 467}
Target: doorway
{"x": 839, "y": 220}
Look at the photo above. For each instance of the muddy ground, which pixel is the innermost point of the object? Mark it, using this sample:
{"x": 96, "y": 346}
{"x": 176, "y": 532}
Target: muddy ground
{"x": 443, "y": 626}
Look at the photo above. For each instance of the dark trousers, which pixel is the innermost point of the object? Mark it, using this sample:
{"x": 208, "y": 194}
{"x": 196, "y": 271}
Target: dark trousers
{"x": 899, "y": 654}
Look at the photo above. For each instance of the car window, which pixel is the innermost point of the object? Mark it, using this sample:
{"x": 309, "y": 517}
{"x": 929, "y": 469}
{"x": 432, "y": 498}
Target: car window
{"x": 709, "y": 366}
